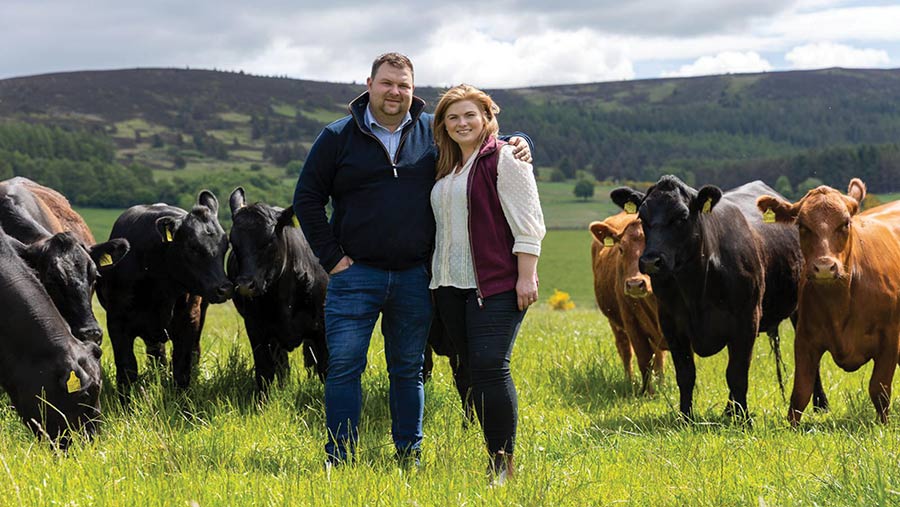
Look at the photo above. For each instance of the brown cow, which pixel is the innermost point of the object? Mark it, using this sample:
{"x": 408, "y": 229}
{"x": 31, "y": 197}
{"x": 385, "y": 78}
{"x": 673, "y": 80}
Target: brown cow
{"x": 625, "y": 295}
{"x": 850, "y": 289}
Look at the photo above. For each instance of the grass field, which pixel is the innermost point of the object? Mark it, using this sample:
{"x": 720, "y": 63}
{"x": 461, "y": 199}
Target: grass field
{"x": 586, "y": 437}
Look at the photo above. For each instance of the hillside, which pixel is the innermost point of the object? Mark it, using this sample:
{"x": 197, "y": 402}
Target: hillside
{"x": 717, "y": 129}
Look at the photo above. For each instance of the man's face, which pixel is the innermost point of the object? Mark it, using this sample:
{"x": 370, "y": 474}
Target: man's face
{"x": 390, "y": 93}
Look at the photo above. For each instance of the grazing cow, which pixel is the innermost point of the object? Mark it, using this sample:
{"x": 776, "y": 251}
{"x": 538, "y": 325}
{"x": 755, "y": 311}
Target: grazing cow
{"x": 279, "y": 288}
{"x": 625, "y": 295}
{"x": 52, "y": 379}
{"x": 60, "y": 248}
{"x": 161, "y": 289}
{"x": 849, "y": 290}
{"x": 720, "y": 276}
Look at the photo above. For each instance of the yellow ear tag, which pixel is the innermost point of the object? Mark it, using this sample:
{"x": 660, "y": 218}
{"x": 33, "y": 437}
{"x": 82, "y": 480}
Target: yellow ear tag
{"x": 630, "y": 208}
{"x": 74, "y": 383}
{"x": 707, "y": 206}
{"x": 105, "y": 260}
{"x": 769, "y": 216}
{"x": 608, "y": 241}
{"x": 295, "y": 221}
{"x": 168, "y": 235}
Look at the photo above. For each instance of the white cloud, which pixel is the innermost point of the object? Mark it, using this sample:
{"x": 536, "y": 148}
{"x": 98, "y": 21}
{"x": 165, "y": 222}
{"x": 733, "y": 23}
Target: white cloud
{"x": 726, "y": 62}
{"x": 462, "y": 54}
{"x": 827, "y": 54}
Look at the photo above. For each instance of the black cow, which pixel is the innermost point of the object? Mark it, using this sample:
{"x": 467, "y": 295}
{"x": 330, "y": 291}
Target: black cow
{"x": 721, "y": 276}
{"x": 63, "y": 256}
{"x": 52, "y": 379}
{"x": 279, "y": 288}
{"x": 161, "y": 290}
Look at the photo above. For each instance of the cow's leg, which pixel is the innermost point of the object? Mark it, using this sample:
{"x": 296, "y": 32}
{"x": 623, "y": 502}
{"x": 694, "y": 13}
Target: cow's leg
{"x": 428, "y": 366}
{"x": 820, "y": 401}
{"x": 882, "y": 377}
{"x": 264, "y": 363}
{"x": 685, "y": 373}
{"x": 185, "y": 328}
{"x": 123, "y": 352}
{"x": 645, "y": 357}
{"x": 280, "y": 357}
{"x": 623, "y": 346}
{"x": 462, "y": 378}
{"x": 737, "y": 372}
{"x": 806, "y": 368}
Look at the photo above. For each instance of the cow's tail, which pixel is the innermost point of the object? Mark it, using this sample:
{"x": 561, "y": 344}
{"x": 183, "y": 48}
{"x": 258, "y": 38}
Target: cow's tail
{"x": 775, "y": 343}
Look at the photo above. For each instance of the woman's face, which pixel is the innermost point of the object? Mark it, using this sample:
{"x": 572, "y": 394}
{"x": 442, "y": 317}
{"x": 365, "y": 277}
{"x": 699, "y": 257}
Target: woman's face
{"x": 464, "y": 122}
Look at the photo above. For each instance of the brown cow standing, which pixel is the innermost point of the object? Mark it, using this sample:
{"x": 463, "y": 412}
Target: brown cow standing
{"x": 625, "y": 296}
{"x": 850, "y": 289}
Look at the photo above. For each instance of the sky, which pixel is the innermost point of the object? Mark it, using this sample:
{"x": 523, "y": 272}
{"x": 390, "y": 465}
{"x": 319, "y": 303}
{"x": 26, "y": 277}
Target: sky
{"x": 500, "y": 44}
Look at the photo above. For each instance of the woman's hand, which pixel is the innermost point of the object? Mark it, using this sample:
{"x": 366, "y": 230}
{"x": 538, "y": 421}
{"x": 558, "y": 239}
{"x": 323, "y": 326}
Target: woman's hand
{"x": 527, "y": 284}
{"x": 527, "y": 291}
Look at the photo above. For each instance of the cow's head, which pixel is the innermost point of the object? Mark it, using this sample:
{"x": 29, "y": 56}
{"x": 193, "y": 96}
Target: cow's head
{"x": 61, "y": 393}
{"x": 670, "y": 214}
{"x": 824, "y": 219}
{"x": 68, "y": 270}
{"x": 628, "y": 242}
{"x": 196, "y": 249}
{"x": 258, "y": 247}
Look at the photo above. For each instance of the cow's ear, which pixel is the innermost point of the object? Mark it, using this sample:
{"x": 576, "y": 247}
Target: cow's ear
{"x": 706, "y": 199}
{"x": 107, "y": 255}
{"x": 26, "y": 252}
{"x": 857, "y": 190}
{"x": 208, "y": 199}
{"x": 605, "y": 233}
{"x": 775, "y": 209}
{"x": 166, "y": 227}
{"x": 286, "y": 219}
{"x": 237, "y": 200}
{"x": 626, "y": 198}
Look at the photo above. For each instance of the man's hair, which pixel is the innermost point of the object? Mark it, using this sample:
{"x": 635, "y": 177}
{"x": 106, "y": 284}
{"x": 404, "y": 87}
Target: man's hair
{"x": 449, "y": 154}
{"x": 394, "y": 59}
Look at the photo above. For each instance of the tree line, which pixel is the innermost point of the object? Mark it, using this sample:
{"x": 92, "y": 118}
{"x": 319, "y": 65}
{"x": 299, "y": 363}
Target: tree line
{"x": 81, "y": 166}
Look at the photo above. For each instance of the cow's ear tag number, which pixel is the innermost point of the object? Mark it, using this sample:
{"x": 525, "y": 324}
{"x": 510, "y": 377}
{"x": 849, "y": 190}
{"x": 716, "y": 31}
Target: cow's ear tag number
{"x": 769, "y": 216}
{"x": 105, "y": 260}
{"x": 707, "y": 206}
{"x": 630, "y": 208}
{"x": 295, "y": 222}
{"x": 608, "y": 241}
{"x": 73, "y": 385}
{"x": 169, "y": 238}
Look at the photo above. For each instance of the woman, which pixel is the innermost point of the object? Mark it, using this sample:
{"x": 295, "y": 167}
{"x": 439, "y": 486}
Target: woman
{"x": 484, "y": 269}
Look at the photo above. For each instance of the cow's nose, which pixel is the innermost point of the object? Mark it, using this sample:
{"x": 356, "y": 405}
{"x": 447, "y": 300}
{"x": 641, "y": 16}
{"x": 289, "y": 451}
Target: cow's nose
{"x": 649, "y": 264}
{"x": 90, "y": 334}
{"x": 634, "y": 285}
{"x": 825, "y": 267}
{"x": 225, "y": 291}
{"x": 246, "y": 288}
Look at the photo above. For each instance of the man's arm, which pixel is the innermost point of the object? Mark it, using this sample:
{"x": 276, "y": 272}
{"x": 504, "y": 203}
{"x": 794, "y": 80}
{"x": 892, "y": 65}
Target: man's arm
{"x": 522, "y": 146}
{"x": 311, "y": 195}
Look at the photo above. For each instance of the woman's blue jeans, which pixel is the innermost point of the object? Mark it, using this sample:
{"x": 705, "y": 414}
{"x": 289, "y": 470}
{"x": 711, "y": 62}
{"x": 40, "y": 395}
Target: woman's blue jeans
{"x": 354, "y": 300}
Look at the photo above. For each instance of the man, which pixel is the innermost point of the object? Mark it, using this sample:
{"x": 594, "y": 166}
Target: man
{"x": 377, "y": 166}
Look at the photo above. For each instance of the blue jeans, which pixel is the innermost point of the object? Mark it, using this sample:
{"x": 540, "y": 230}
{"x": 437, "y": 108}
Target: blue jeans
{"x": 354, "y": 299}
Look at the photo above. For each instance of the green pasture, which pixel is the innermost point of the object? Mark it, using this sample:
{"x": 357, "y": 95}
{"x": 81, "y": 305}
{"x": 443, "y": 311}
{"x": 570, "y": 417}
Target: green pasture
{"x": 586, "y": 436}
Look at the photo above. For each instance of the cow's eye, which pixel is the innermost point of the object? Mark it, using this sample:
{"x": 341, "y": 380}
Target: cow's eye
{"x": 803, "y": 229}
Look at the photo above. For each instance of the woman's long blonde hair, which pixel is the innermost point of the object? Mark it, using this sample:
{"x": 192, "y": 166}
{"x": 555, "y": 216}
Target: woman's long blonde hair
{"x": 449, "y": 154}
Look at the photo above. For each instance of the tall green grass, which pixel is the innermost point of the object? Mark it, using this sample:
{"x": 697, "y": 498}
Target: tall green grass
{"x": 586, "y": 437}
